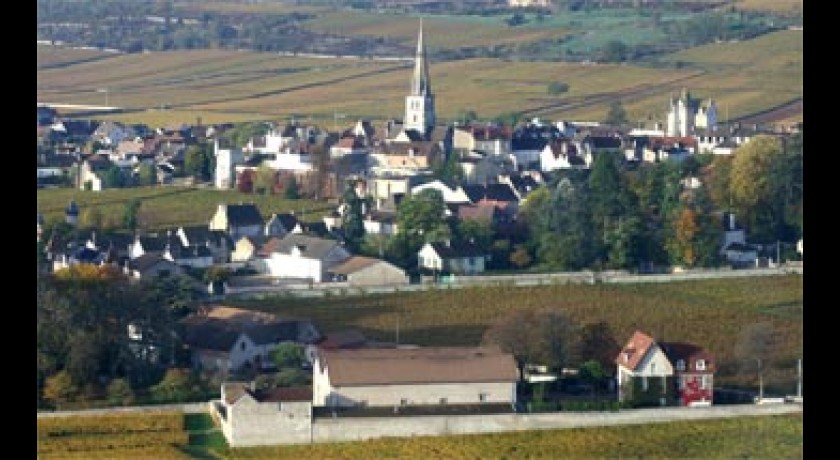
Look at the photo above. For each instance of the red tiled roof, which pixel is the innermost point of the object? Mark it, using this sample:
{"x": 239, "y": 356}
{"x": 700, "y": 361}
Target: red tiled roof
{"x": 635, "y": 349}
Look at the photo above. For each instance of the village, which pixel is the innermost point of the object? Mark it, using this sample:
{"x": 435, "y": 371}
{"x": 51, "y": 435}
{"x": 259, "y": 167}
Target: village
{"x": 415, "y": 202}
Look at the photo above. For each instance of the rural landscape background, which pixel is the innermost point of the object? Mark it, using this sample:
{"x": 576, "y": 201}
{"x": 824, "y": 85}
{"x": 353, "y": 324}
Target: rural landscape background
{"x": 483, "y": 67}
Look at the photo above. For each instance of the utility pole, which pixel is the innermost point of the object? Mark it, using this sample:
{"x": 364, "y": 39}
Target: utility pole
{"x": 760, "y": 380}
{"x": 799, "y": 378}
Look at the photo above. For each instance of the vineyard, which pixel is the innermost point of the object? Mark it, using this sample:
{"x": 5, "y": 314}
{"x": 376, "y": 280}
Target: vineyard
{"x": 152, "y": 435}
{"x": 168, "y": 436}
{"x": 708, "y": 312}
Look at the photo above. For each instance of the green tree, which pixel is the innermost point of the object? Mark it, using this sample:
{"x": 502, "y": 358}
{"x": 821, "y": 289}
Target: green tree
{"x": 520, "y": 257}
{"x": 265, "y": 179}
{"x": 352, "y": 222}
{"x": 130, "y": 214}
{"x": 91, "y": 217}
{"x": 146, "y": 174}
{"x": 763, "y": 180}
{"x": 288, "y": 355}
{"x": 291, "y": 191}
{"x": 420, "y": 219}
{"x": 177, "y": 385}
{"x": 557, "y": 87}
{"x": 113, "y": 177}
{"x": 60, "y": 389}
{"x": 597, "y": 343}
{"x": 198, "y": 161}
{"x": 120, "y": 393}
{"x": 615, "y": 51}
{"x": 477, "y": 231}
{"x": 616, "y": 115}
{"x": 447, "y": 168}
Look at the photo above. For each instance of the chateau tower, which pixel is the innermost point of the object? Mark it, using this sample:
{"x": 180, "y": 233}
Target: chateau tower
{"x": 420, "y": 103}
{"x": 681, "y": 115}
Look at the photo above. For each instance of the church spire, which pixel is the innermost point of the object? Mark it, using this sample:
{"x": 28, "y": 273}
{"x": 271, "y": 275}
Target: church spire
{"x": 420, "y": 84}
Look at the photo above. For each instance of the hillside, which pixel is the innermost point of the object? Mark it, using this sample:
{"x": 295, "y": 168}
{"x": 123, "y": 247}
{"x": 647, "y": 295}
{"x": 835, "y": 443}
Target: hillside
{"x": 745, "y": 78}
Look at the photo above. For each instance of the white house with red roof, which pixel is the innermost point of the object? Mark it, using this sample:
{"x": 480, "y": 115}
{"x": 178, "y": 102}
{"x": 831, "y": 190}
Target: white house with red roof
{"x": 688, "y": 367}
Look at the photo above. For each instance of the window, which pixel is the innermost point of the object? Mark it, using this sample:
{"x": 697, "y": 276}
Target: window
{"x": 680, "y": 364}
{"x": 403, "y": 402}
{"x": 644, "y": 384}
{"x": 443, "y": 401}
{"x": 242, "y": 345}
{"x": 482, "y": 397}
{"x": 705, "y": 382}
{"x": 700, "y": 365}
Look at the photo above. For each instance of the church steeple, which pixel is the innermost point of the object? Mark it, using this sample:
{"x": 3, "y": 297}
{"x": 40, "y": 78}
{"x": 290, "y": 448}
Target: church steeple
{"x": 420, "y": 102}
{"x": 420, "y": 84}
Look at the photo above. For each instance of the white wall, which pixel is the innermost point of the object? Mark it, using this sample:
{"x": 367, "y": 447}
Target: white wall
{"x": 419, "y": 394}
{"x": 290, "y": 266}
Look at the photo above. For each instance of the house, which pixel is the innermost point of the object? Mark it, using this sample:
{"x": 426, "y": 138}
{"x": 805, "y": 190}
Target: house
{"x": 675, "y": 373}
{"x": 563, "y": 154}
{"x": 380, "y": 223}
{"x": 401, "y": 377}
{"x": 281, "y": 224}
{"x": 481, "y": 168}
{"x": 238, "y": 220}
{"x": 500, "y": 195}
{"x": 489, "y": 138}
{"x": 92, "y": 172}
{"x": 226, "y": 339}
{"x": 304, "y": 257}
{"x": 459, "y": 257}
{"x": 734, "y": 246}
{"x": 255, "y": 417}
{"x": 368, "y": 271}
{"x": 247, "y": 248}
{"x": 218, "y": 242}
{"x": 693, "y": 371}
{"x": 150, "y": 265}
{"x": 451, "y": 195}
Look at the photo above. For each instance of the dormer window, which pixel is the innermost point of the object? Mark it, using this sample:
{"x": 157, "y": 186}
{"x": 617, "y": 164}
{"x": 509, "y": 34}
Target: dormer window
{"x": 700, "y": 365}
{"x": 680, "y": 364}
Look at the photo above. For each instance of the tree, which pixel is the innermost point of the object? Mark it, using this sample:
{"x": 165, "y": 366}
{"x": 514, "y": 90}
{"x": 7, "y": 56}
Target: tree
{"x": 198, "y": 161}
{"x": 91, "y": 217}
{"x": 520, "y": 257}
{"x": 557, "y": 87}
{"x": 120, "y": 392}
{"x": 759, "y": 180}
{"x": 597, "y": 343}
{"x": 265, "y": 179}
{"x": 291, "y": 191}
{"x": 556, "y": 334}
{"x": 288, "y": 355}
{"x": 615, "y": 51}
{"x": 447, "y": 168}
{"x": 146, "y": 174}
{"x": 59, "y": 389}
{"x": 477, "y": 231}
{"x": 513, "y": 334}
{"x": 616, "y": 115}
{"x": 130, "y": 214}
{"x": 177, "y": 385}
{"x": 113, "y": 177}
{"x": 245, "y": 181}
{"x": 420, "y": 218}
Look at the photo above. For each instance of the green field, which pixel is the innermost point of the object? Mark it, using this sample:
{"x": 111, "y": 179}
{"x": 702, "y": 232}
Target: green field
{"x": 707, "y": 312}
{"x": 176, "y": 436}
{"x": 167, "y": 207}
{"x": 218, "y": 85}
